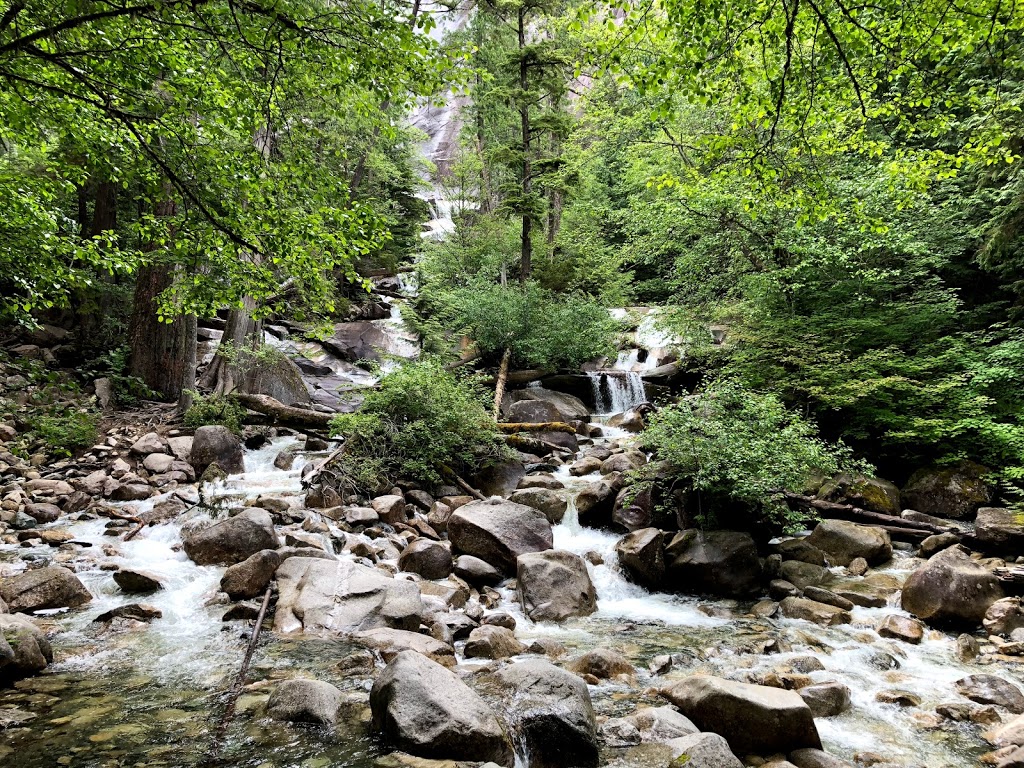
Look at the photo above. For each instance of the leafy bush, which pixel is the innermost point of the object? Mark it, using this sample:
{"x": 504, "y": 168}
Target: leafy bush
{"x": 543, "y": 329}
{"x": 128, "y": 390}
{"x": 741, "y": 446}
{"x": 214, "y": 409}
{"x": 420, "y": 420}
{"x": 65, "y": 432}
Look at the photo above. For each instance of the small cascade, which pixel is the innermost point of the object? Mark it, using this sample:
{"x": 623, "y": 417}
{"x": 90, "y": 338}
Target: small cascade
{"x": 401, "y": 343}
{"x": 617, "y": 391}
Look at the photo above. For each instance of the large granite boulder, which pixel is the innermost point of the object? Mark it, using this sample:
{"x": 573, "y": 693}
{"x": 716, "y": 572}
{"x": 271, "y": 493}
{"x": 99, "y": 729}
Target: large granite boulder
{"x": 532, "y": 412}
{"x": 990, "y": 689}
{"x": 422, "y": 708}
{"x": 498, "y": 531}
{"x": 555, "y": 585}
{"x": 843, "y": 542}
{"x": 42, "y": 589}
{"x": 713, "y": 562}
{"x": 24, "y": 649}
{"x": 230, "y": 541}
{"x": 951, "y": 588}
{"x": 552, "y": 503}
{"x": 752, "y": 718}
{"x": 551, "y": 710}
{"x": 305, "y": 701}
{"x": 703, "y": 750}
{"x": 949, "y": 492}
{"x": 281, "y": 379}
{"x": 871, "y": 493}
{"x": 499, "y": 479}
{"x": 642, "y": 555}
{"x": 492, "y": 642}
{"x": 216, "y": 445}
{"x": 360, "y": 340}
{"x": 430, "y": 559}
{"x": 251, "y": 576}
{"x": 999, "y": 531}
{"x": 337, "y": 596}
{"x": 570, "y": 407}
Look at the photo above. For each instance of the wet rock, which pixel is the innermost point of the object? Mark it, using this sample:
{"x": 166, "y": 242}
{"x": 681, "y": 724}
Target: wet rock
{"x": 1004, "y": 616}
{"x": 230, "y": 541}
{"x": 250, "y": 577}
{"x": 356, "y": 516}
{"x": 391, "y": 642}
{"x": 24, "y": 649}
{"x": 816, "y": 758}
{"x": 703, "y": 750}
{"x": 476, "y": 571}
{"x": 158, "y": 463}
{"x": 241, "y": 612}
{"x": 602, "y": 663}
{"x": 899, "y": 698}
{"x": 305, "y": 701}
{"x": 661, "y": 724}
{"x": 949, "y": 492}
{"x": 133, "y": 611}
{"x": 871, "y": 493}
{"x": 498, "y": 532}
{"x": 570, "y": 407}
{"x": 551, "y": 710}
{"x": 42, "y": 589}
{"x": 996, "y": 530}
{"x": 127, "y": 491}
{"x": 532, "y": 412}
{"x": 950, "y": 588}
{"x": 989, "y": 689}
{"x": 492, "y": 642}
{"x": 542, "y": 480}
{"x": 803, "y": 575}
{"x": 149, "y": 443}
{"x": 42, "y": 512}
{"x": 802, "y": 550}
{"x": 753, "y": 718}
{"x": 713, "y": 562}
{"x": 828, "y": 598}
{"x": 390, "y": 508}
{"x": 936, "y": 543}
{"x": 585, "y": 466}
{"x": 628, "y": 461}
{"x": 843, "y": 541}
{"x": 780, "y": 589}
{"x": 826, "y": 699}
{"x": 422, "y": 708}
{"x": 135, "y": 581}
{"x": 631, "y": 421}
{"x": 642, "y": 555}
{"x": 216, "y": 445}
{"x": 1011, "y": 733}
{"x": 902, "y": 628}
{"x": 554, "y": 585}
{"x": 620, "y": 732}
{"x": 552, "y": 503}
{"x": 318, "y": 595}
{"x": 430, "y": 559}
{"x": 810, "y": 610}
{"x": 499, "y": 479}
{"x": 967, "y": 648}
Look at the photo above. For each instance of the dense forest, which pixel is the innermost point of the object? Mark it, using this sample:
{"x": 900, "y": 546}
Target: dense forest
{"x": 677, "y": 343}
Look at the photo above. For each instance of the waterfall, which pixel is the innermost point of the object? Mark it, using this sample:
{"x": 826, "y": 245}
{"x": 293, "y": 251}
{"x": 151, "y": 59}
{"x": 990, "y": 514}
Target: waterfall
{"x": 617, "y": 391}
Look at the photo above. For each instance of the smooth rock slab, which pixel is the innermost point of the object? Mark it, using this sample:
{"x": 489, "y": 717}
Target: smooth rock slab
{"x": 391, "y": 642}
{"x": 752, "y": 718}
{"x": 337, "y": 596}
{"x": 422, "y": 708}
{"x": 305, "y": 701}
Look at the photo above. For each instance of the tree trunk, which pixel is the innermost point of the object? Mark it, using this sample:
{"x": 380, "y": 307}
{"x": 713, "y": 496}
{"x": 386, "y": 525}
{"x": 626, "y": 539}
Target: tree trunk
{"x": 188, "y": 382}
{"x": 222, "y": 377}
{"x": 104, "y": 214}
{"x": 159, "y": 351}
{"x": 499, "y": 389}
{"x": 525, "y": 238}
{"x": 286, "y": 415}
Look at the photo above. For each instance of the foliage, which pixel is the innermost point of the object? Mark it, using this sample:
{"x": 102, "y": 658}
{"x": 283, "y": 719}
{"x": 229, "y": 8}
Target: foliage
{"x": 64, "y": 431}
{"x": 113, "y": 364}
{"x": 421, "y": 420}
{"x": 732, "y": 443}
{"x": 541, "y": 328}
{"x": 207, "y": 410}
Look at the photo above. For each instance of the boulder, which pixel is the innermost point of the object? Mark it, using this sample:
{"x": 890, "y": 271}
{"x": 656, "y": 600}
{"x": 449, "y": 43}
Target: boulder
{"x": 250, "y": 577}
{"x": 713, "y": 562}
{"x": 627, "y": 461}
{"x": 602, "y": 663}
{"x": 137, "y": 582}
{"x": 391, "y": 642}
{"x": 554, "y": 585}
{"x": 42, "y": 589}
{"x": 872, "y": 493}
{"x": 642, "y": 555}
{"x": 492, "y": 642}
{"x": 158, "y": 463}
{"x": 752, "y": 718}
{"x": 143, "y": 612}
{"x": 989, "y": 689}
{"x": 181, "y": 447}
{"x": 1004, "y": 616}
{"x": 552, "y": 503}
{"x": 551, "y": 711}
{"x": 660, "y": 724}
{"x": 430, "y": 559}
{"x": 902, "y": 628}
{"x": 801, "y": 550}
{"x": 936, "y": 543}
{"x": 149, "y": 443}
{"x": 305, "y": 701}
{"x": 390, "y": 508}
{"x": 24, "y": 649}
{"x": 634, "y": 509}
{"x": 950, "y": 588}
{"x": 996, "y": 530}
{"x": 570, "y": 407}
{"x": 216, "y": 445}
{"x": 476, "y": 571}
{"x": 42, "y": 512}
{"x": 813, "y": 611}
{"x": 843, "y": 541}
{"x": 499, "y": 479}
{"x": 422, "y": 708}
{"x": 952, "y": 493}
{"x": 533, "y": 412}
{"x": 816, "y": 758}
{"x": 826, "y": 699}
{"x": 336, "y": 596}
{"x": 360, "y": 340}
{"x": 803, "y": 575}
{"x": 703, "y": 750}
{"x": 279, "y": 378}
{"x": 230, "y": 541}
{"x": 498, "y": 531}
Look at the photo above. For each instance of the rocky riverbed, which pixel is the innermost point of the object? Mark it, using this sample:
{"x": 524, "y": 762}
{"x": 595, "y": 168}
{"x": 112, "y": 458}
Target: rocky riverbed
{"x": 525, "y": 628}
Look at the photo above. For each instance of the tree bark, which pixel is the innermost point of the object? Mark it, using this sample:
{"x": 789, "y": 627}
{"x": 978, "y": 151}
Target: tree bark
{"x": 221, "y": 377}
{"x": 104, "y": 214}
{"x": 286, "y": 415}
{"x": 188, "y": 382}
{"x": 499, "y": 388}
{"x": 525, "y": 237}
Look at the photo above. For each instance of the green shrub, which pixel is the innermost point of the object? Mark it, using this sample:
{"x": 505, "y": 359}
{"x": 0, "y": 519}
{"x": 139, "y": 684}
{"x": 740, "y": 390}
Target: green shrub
{"x": 214, "y": 409}
{"x": 65, "y": 432}
{"x": 421, "y": 419}
{"x": 741, "y": 446}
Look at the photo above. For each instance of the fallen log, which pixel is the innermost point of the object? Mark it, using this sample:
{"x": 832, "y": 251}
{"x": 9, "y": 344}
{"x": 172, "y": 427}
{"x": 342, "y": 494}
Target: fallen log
{"x": 836, "y": 511}
{"x": 285, "y": 415}
{"x": 546, "y": 426}
{"x": 532, "y": 445}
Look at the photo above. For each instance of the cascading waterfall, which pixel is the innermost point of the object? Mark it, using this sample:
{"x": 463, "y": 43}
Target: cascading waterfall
{"x": 617, "y": 391}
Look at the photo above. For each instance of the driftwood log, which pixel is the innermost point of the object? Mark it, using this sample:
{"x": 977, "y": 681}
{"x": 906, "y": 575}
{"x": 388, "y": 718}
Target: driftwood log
{"x": 547, "y": 426}
{"x": 285, "y": 415}
{"x": 898, "y": 527}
